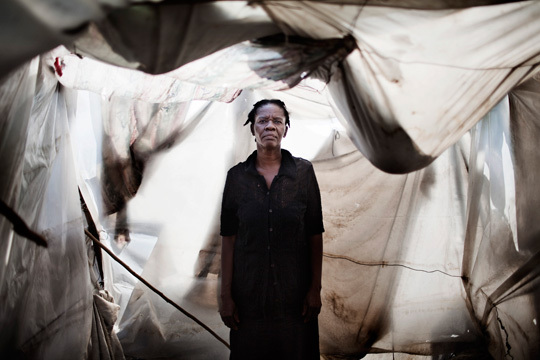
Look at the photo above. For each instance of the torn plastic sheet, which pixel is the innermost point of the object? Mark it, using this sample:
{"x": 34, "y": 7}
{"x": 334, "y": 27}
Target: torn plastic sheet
{"x": 110, "y": 81}
{"x": 86, "y": 127}
{"x": 431, "y": 203}
{"x": 490, "y": 261}
{"x": 159, "y": 36}
{"x": 502, "y": 250}
{"x": 416, "y": 71}
{"x": 272, "y": 63}
{"x": 47, "y": 320}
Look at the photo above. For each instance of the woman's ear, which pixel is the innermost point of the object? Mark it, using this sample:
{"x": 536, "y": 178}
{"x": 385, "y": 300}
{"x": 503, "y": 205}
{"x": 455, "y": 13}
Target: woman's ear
{"x": 252, "y": 130}
{"x": 286, "y": 129}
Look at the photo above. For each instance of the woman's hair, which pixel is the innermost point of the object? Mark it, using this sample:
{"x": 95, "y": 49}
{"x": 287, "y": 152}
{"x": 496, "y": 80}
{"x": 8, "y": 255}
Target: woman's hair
{"x": 261, "y": 103}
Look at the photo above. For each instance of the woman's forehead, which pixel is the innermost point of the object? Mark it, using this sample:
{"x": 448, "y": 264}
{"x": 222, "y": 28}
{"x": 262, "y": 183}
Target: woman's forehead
{"x": 270, "y": 110}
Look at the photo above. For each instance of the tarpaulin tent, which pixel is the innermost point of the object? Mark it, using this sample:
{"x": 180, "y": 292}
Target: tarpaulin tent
{"x": 121, "y": 117}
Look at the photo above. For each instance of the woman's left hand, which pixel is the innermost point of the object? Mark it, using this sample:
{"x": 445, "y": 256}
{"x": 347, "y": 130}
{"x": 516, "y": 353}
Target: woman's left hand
{"x": 312, "y": 304}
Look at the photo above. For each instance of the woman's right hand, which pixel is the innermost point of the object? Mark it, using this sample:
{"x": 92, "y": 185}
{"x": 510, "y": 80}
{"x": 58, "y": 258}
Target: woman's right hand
{"x": 229, "y": 313}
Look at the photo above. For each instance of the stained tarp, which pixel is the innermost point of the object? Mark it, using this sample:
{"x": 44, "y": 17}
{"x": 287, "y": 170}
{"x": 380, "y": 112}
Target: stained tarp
{"x": 438, "y": 259}
{"x": 405, "y": 86}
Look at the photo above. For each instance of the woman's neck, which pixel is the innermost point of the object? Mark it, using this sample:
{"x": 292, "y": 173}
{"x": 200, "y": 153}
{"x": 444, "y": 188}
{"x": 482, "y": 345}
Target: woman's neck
{"x": 268, "y": 163}
{"x": 268, "y": 159}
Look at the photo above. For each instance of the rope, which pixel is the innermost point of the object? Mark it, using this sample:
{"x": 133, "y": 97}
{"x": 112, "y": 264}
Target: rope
{"x": 385, "y": 263}
{"x": 151, "y": 287}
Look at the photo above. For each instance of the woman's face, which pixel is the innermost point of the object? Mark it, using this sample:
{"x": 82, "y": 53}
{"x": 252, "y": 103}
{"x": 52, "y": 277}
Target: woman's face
{"x": 269, "y": 127}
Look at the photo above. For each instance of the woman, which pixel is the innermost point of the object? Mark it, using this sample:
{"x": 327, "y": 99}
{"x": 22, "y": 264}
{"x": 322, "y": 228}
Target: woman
{"x": 271, "y": 227}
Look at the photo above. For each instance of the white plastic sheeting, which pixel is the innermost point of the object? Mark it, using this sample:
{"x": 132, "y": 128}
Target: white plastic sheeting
{"x": 499, "y": 244}
{"x": 46, "y": 293}
{"x": 437, "y": 261}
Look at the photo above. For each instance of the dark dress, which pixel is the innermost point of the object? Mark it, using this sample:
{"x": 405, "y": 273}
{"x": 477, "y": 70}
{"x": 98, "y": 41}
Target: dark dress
{"x": 271, "y": 268}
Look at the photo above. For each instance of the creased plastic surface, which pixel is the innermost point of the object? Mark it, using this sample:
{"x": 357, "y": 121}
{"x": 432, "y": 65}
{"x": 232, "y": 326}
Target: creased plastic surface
{"x": 46, "y": 292}
{"x": 405, "y": 91}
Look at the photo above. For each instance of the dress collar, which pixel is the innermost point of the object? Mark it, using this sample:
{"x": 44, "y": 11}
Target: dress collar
{"x": 287, "y": 168}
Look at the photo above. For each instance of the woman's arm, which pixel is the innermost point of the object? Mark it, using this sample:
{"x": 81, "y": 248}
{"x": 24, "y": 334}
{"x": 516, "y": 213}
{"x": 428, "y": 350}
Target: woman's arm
{"x": 313, "y": 304}
{"x": 228, "y": 311}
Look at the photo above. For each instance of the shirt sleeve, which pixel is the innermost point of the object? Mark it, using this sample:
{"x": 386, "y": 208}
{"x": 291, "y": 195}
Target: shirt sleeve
{"x": 313, "y": 217}
{"x": 229, "y": 219}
